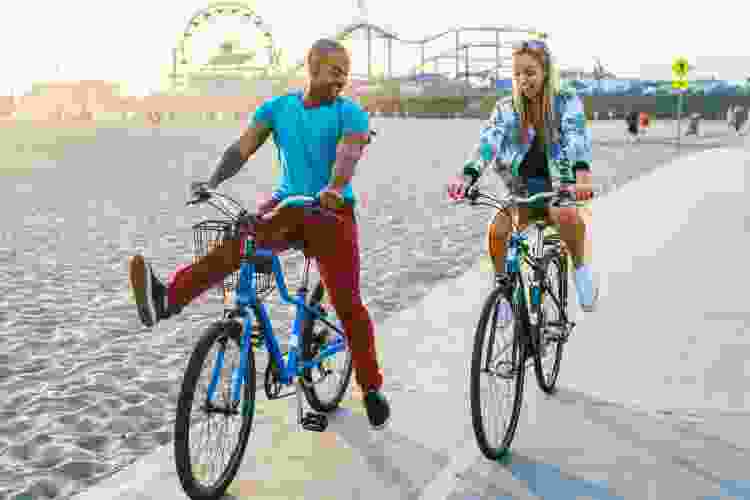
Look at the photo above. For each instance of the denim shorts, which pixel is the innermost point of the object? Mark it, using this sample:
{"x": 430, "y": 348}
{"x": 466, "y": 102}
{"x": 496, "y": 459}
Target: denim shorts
{"x": 538, "y": 209}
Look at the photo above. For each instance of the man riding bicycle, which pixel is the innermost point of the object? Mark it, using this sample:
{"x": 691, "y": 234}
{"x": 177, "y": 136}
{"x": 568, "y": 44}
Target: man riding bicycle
{"x": 532, "y": 136}
{"x": 306, "y": 128}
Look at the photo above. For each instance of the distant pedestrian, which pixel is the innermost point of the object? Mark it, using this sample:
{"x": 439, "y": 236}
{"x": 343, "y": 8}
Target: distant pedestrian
{"x": 730, "y": 117}
{"x": 743, "y": 130}
{"x": 740, "y": 118}
{"x": 644, "y": 122}
{"x": 694, "y": 125}
{"x": 631, "y": 118}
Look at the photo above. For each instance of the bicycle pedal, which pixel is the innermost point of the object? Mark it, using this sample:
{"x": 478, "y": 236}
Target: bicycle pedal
{"x": 566, "y": 333}
{"x": 316, "y": 422}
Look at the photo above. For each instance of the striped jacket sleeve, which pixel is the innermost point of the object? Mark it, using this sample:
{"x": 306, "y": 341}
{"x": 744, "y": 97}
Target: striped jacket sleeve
{"x": 575, "y": 136}
{"x": 493, "y": 142}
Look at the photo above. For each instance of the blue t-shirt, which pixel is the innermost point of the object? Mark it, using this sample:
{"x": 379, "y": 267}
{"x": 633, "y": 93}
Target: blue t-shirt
{"x": 306, "y": 140}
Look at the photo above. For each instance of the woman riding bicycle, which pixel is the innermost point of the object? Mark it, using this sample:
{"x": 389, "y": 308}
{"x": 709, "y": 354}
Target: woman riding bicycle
{"x": 532, "y": 136}
{"x": 306, "y": 129}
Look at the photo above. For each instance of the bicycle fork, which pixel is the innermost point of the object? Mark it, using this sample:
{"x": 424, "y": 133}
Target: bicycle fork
{"x": 528, "y": 282}
{"x": 237, "y": 379}
{"x": 562, "y": 327}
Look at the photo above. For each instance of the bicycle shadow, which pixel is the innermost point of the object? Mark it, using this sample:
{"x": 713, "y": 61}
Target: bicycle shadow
{"x": 549, "y": 481}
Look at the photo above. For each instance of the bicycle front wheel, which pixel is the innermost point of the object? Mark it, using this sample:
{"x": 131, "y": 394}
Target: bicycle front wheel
{"x": 201, "y": 478}
{"x": 325, "y": 384}
{"x": 502, "y": 363}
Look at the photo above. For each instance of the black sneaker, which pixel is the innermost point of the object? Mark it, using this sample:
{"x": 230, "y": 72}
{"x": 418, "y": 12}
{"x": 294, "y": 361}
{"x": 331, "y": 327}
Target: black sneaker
{"x": 378, "y": 409}
{"x": 150, "y": 293}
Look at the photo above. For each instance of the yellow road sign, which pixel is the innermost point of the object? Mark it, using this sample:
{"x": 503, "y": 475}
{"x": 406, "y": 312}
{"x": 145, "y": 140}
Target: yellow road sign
{"x": 680, "y": 68}
{"x": 679, "y": 84}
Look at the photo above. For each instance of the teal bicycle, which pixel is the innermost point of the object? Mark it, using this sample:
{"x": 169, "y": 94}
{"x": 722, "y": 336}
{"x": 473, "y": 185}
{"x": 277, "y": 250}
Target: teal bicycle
{"x": 229, "y": 395}
{"x": 530, "y": 300}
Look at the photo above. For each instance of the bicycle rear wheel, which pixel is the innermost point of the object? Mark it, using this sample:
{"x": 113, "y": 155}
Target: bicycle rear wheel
{"x": 550, "y": 328}
{"x": 193, "y": 473}
{"x": 325, "y": 384}
{"x": 498, "y": 309}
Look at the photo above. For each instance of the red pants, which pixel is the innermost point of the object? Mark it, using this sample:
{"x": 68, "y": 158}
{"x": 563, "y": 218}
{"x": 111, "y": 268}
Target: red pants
{"x": 333, "y": 244}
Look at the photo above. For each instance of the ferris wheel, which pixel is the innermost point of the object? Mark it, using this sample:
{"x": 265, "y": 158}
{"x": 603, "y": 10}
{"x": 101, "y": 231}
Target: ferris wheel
{"x": 183, "y": 56}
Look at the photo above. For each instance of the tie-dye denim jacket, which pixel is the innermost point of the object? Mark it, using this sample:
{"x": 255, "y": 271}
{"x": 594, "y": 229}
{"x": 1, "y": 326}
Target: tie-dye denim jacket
{"x": 501, "y": 134}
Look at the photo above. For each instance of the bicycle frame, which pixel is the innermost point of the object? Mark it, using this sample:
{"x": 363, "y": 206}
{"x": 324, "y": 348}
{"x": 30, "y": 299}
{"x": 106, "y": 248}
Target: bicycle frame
{"x": 523, "y": 253}
{"x": 246, "y": 302}
{"x": 518, "y": 252}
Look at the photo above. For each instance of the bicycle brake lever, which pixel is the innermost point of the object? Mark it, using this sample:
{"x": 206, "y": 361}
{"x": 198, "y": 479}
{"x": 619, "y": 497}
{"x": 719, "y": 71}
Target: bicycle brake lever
{"x": 565, "y": 203}
{"x": 471, "y": 194}
{"x": 198, "y": 197}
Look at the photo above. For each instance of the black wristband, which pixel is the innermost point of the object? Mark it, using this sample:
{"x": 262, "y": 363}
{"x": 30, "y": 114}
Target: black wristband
{"x": 471, "y": 172}
{"x": 581, "y": 166}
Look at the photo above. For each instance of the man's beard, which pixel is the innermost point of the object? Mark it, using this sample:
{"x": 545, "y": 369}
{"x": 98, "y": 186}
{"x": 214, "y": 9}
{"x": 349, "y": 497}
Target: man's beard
{"x": 326, "y": 93}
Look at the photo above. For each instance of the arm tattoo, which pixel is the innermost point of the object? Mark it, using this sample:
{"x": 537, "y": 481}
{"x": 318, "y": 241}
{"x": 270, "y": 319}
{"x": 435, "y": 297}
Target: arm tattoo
{"x": 347, "y": 157}
{"x": 230, "y": 164}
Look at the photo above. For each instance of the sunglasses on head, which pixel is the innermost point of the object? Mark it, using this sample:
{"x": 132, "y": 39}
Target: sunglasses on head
{"x": 530, "y": 44}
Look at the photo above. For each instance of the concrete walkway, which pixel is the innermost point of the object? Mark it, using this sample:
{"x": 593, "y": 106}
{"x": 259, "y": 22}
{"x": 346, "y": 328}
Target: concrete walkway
{"x": 652, "y": 400}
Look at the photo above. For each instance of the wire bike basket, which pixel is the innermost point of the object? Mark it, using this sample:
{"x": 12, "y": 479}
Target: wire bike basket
{"x": 210, "y": 234}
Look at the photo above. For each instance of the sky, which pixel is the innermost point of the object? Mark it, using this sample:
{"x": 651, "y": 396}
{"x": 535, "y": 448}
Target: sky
{"x": 132, "y": 41}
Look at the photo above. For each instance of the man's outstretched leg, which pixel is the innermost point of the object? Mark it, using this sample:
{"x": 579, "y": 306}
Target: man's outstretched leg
{"x": 157, "y": 301}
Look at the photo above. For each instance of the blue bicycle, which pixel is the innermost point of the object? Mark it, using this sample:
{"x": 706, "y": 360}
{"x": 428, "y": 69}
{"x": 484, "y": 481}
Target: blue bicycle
{"x": 230, "y": 392}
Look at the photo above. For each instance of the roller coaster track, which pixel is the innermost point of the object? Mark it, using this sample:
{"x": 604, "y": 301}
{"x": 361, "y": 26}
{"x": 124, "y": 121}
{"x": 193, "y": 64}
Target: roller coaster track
{"x": 384, "y": 33}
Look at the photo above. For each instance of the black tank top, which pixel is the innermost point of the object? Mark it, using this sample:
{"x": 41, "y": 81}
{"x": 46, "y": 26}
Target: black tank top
{"x": 535, "y": 162}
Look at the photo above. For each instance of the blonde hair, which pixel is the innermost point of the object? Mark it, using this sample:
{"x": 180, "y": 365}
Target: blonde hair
{"x": 542, "y": 116}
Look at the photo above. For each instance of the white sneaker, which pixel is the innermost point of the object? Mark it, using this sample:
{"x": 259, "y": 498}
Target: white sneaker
{"x": 595, "y": 302}
{"x": 587, "y": 286}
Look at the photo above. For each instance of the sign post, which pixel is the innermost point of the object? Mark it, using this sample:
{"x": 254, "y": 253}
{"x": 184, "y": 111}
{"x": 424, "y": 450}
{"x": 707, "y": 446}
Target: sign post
{"x": 679, "y": 87}
{"x": 680, "y": 68}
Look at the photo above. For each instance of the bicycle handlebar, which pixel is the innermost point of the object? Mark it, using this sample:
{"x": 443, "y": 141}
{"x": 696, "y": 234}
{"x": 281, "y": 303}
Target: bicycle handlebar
{"x": 238, "y": 214}
{"x": 472, "y": 194}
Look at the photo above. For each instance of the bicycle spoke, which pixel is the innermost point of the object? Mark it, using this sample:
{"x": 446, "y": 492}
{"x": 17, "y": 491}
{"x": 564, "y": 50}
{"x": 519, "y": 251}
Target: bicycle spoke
{"x": 329, "y": 380}
{"x": 551, "y": 324}
{"x": 332, "y": 377}
{"x": 488, "y": 417}
{"x": 499, "y": 372}
{"x": 217, "y": 433}
{"x": 502, "y": 410}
